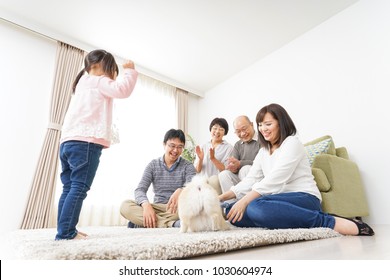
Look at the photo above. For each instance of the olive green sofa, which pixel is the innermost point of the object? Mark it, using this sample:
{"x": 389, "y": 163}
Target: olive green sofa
{"x": 338, "y": 179}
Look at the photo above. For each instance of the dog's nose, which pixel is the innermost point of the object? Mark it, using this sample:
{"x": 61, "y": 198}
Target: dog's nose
{"x": 199, "y": 188}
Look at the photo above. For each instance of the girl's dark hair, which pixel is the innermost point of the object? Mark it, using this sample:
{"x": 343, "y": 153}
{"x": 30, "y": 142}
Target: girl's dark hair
{"x": 286, "y": 125}
{"x": 110, "y": 68}
{"x": 221, "y": 122}
{"x": 175, "y": 133}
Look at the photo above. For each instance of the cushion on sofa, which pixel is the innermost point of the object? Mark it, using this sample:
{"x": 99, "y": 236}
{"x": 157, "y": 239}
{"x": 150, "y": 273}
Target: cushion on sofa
{"x": 332, "y": 148}
{"x": 323, "y": 146}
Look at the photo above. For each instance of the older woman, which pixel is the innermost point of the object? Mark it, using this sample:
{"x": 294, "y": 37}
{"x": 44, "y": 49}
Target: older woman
{"x": 213, "y": 155}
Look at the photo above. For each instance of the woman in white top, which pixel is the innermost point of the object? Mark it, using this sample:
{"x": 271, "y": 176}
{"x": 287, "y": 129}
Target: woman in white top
{"x": 279, "y": 190}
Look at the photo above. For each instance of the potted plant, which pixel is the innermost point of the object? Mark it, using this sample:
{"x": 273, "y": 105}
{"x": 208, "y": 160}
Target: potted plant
{"x": 189, "y": 149}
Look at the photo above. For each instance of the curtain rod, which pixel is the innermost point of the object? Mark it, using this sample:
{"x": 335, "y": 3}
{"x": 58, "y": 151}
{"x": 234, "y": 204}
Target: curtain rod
{"x": 85, "y": 47}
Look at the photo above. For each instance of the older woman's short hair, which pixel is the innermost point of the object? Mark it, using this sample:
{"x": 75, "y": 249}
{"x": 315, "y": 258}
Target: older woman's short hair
{"x": 221, "y": 122}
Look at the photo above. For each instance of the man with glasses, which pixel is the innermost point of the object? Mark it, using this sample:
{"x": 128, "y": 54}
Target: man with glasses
{"x": 242, "y": 156}
{"x": 168, "y": 174}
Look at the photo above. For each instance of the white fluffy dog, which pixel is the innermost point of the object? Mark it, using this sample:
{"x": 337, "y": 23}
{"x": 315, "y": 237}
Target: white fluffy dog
{"x": 199, "y": 207}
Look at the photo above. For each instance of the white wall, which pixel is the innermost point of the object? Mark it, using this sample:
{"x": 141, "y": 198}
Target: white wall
{"x": 332, "y": 80}
{"x": 26, "y": 76}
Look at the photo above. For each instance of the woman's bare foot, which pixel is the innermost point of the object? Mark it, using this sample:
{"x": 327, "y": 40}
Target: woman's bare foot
{"x": 345, "y": 227}
{"x": 352, "y": 227}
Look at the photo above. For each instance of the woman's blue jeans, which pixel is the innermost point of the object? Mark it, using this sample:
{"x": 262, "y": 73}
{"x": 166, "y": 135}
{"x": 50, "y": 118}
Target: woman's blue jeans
{"x": 79, "y": 161}
{"x": 285, "y": 210}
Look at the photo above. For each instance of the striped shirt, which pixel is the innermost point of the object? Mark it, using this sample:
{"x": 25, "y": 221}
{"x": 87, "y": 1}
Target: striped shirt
{"x": 165, "y": 181}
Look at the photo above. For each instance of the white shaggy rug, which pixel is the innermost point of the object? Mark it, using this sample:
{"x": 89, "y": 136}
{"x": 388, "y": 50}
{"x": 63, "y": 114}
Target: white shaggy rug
{"x": 121, "y": 243}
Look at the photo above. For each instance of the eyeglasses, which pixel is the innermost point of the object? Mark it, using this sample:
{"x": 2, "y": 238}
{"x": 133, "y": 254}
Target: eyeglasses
{"x": 243, "y": 129}
{"x": 178, "y": 147}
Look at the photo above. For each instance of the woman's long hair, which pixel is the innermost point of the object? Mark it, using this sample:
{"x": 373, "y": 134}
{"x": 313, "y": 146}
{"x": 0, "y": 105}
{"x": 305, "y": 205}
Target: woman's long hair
{"x": 286, "y": 124}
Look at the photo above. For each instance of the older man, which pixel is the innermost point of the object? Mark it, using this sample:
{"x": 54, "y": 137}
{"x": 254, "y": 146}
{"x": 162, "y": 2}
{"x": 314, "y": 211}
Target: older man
{"x": 242, "y": 156}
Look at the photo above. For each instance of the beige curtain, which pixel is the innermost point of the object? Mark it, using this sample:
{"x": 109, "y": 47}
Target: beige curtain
{"x": 40, "y": 203}
{"x": 182, "y": 109}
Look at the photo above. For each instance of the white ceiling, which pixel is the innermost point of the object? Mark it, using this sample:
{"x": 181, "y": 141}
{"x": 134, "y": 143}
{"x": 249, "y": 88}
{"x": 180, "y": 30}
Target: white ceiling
{"x": 194, "y": 44}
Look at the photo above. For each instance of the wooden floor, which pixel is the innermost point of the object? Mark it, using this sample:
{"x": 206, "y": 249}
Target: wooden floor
{"x": 375, "y": 247}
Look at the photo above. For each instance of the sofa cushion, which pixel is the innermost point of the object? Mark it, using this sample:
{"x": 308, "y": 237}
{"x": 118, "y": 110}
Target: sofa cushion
{"x": 321, "y": 147}
{"x": 332, "y": 149}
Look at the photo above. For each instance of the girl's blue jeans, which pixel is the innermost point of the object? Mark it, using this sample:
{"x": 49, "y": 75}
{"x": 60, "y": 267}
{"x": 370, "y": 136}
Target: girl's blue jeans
{"x": 285, "y": 210}
{"x": 79, "y": 161}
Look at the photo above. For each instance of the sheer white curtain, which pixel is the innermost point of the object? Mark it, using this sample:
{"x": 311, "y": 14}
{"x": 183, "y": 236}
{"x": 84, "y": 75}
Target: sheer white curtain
{"x": 142, "y": 121}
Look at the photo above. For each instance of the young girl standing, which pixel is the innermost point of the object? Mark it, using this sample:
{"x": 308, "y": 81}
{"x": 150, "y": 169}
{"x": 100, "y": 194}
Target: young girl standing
{"x": 86, "y": 131}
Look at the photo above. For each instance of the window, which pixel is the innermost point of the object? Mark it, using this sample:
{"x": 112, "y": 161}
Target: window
{"x": 142, "y": 120}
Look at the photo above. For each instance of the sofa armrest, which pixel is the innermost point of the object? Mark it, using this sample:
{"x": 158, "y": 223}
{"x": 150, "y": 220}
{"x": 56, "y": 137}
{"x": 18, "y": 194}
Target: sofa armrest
{"x": 321, "y": 180}
{"x": 342, "y": 152}
{"x": 346, "y": 196}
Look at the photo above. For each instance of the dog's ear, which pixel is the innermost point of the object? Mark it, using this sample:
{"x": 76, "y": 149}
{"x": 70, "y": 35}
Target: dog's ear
{"x": 199, "y": 179}
{"x": 204, "y": 180}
